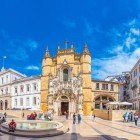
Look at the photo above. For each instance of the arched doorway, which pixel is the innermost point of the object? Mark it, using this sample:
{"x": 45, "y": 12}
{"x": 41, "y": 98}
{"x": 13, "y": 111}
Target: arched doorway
{"x": 6, "y": 104}
{"x": 101, "y": 101}
{"x": 1, "y": 105}
{"x": 64, "y": 105}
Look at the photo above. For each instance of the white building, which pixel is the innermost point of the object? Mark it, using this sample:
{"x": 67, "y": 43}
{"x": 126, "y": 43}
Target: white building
{"x": 26, "y": 93}
{"x": 6, "y": 78}
{"x": 134, "y": 86}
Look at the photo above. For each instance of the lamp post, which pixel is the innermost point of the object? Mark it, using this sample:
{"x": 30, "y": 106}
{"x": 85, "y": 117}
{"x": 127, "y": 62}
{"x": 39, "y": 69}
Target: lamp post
{"x": 3, "y": 62}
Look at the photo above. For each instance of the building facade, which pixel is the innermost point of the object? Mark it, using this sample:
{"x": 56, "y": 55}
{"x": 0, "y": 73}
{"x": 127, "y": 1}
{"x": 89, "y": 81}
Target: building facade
{"x": 6, "y": 78}
{"x": 134, "y": 86}
{"x": 104, "y": 92}
{"x": 26, "y": 93}
{"x": 67, "y": 86}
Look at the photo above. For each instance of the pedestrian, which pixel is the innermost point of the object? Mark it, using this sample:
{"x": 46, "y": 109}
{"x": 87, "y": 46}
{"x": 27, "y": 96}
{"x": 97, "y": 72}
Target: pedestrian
{"x": 131, "y": 119}
{"x": 93, "y": 115}
{"x": 126, "y": 116}
{"x": 79, "y": 118}
{"x": 23, "y": 115}
{"x": 74, "y": 118}
{"x": 5, "y": 114}
{"x": 67, "y": 115}
{"x": 136, "y": 119}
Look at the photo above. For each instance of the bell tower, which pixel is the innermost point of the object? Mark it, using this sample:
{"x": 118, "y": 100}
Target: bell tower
{"x": 86, "y": 76}
{"x": 46, "y": 70}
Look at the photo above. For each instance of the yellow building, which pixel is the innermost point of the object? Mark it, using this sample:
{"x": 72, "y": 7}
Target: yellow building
{"x": 66, "y": 83}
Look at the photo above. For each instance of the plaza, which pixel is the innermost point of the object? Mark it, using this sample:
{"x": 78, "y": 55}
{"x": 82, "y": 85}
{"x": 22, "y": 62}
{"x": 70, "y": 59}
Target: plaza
{"x": 90, "y": 130}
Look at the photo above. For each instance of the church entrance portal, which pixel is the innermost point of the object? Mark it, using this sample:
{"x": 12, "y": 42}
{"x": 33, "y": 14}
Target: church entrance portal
{"x": 64, "y": 107}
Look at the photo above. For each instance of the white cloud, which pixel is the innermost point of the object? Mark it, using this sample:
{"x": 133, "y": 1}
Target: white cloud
{"x": 31, "y": 44}
{"x": 19, "y": 49}
{"x": 32, "y": 67}
{"x": 124, "y": 53}
{"x": 129, "y": 41}
{"x": 135, "y": 31}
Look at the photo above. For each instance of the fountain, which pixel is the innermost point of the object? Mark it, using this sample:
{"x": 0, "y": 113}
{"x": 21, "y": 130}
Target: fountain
{"x": 36, "y": 128}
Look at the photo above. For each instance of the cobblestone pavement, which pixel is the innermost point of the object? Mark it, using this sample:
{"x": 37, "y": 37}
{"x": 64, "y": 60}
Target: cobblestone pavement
{"x": 89, "y": 130}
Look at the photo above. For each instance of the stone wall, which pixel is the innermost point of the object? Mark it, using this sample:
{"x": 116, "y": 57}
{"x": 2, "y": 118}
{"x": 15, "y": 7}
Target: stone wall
{"x": 113, "y": 115}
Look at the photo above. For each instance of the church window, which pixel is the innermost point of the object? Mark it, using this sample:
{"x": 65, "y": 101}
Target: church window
{"x": 65, "y": 75}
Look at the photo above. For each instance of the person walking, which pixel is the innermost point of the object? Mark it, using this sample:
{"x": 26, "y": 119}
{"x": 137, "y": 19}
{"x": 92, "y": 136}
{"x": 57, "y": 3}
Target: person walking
{"x": 79, "y": 118}
{"x": 93, "y": 115}
{"x": 23, "y": 115}
{"x": 74, "y": 118}
{"x": 67, "y": 115}
{"x": 5, "y": 114}
{"x": 136, "y": 119}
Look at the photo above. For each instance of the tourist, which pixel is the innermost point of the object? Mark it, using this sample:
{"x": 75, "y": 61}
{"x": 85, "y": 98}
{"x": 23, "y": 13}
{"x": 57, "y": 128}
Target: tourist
{"x": 5, "y": 114}
{"x": 136, "y": 119}
{"x": 79, "y": 118}
{"x": 23, "y": 115}
{"x": 74, "y": 118}
{"x": 126, "y": 116}
{"x": 131, "y": 117}
{"x": 12, "y": 126}
{"x": 93, "y": 115}
{"x": 67, "y": 115}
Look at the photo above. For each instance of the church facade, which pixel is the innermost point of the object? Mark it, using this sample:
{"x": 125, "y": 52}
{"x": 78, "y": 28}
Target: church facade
{"x": 67, "y": 86}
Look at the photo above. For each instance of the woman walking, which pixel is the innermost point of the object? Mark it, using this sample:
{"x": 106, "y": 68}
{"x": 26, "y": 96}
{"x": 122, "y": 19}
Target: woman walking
{"x": 136, "y": 119}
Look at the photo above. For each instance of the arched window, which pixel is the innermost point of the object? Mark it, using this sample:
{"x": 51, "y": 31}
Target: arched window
{"x": 65, "y": 75}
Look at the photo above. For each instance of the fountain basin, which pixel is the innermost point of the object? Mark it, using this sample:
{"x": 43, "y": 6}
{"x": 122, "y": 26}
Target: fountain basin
{"x": 36, "y": 128}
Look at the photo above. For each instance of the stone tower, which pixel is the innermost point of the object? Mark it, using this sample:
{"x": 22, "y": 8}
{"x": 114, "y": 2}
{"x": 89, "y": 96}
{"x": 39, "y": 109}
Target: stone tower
{"x": 86, "y": 77}
{"x": 66, "y": 82}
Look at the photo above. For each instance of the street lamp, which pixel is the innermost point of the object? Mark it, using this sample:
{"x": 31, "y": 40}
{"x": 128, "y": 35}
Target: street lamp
{"x": 4, "y": 57}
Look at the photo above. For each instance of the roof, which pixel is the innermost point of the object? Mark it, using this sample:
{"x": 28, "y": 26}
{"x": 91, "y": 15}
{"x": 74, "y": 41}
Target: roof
{"x": 26, "y": 79}
{"x": 105, "y": 81}
{"x": 13, "y": 71}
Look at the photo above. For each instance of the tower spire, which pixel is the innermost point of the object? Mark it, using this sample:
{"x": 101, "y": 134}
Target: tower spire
{"x": 47, "y": 54}
{"x": 86, "y": 50}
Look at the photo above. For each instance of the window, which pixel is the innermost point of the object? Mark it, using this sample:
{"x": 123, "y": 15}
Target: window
{"x": 6, "y": 90}
{"x": 2, "y": 80}
{"x": 28, "y": 87}
{"x": 21, "y": 101}
{"x": 106, "y": 86}
{"x": 139, "y": 68}
{"x": 35, "y": 86}
{"x": 27, "y": 101}
{"x": 112, "y": 87}
{"x": 1, "y": 91}
{"x": 65, "y": 75}
{"x": 15, "y": 103}
{"x": 15, "y": 89}
{"x": 6, "y": 78}
{"x": 97, "y": 85}
{"x": 21, "y": 88}
{"x": 103, "y": 86}
{"x": 34, "y": 101}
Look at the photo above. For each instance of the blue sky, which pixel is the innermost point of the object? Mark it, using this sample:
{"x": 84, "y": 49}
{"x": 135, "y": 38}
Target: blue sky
{"x": 110, "y": 27}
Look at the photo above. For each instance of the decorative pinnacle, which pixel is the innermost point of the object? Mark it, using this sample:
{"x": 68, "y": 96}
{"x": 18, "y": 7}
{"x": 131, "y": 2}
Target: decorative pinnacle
{"x": 86, "y": 50}
{"x": 47, "y": 52}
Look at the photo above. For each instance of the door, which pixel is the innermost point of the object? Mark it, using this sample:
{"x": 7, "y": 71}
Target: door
{"x": 64, "y": 107}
